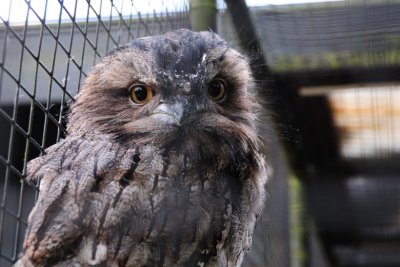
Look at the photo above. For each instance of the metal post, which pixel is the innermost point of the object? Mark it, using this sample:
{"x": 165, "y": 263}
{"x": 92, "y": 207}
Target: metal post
{"x": 203, "y": 15}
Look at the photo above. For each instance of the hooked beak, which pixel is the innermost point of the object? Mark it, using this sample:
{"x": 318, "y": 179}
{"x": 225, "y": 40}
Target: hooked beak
{"x": 169, "y": 113}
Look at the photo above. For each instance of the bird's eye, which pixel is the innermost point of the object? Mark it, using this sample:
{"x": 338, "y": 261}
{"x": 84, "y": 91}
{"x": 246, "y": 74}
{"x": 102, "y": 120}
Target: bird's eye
{"x": 141, "y": 93}
{"x": 216, "y": 90}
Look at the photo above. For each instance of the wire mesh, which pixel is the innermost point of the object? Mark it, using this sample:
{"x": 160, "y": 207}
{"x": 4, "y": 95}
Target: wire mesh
{"x": 327, "y": 55}
{"x": 368, "y": 120}
{"x": 329, "y": 34}
{"x": 46, "y": 50}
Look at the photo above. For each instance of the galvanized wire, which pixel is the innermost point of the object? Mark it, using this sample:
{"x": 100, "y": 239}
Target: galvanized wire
{"x": 44, "y": 57}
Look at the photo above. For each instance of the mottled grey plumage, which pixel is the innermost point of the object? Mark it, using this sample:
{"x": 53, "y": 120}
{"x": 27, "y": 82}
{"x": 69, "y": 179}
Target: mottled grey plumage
{"x": 174, "y": 180}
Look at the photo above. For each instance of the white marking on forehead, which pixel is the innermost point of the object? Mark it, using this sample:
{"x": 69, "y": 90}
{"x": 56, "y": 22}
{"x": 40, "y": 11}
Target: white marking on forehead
{"x": 86, "y": 256}
{"x": 203, "y": 59}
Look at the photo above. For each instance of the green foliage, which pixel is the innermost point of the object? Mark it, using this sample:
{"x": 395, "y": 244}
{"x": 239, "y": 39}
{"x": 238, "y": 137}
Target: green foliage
{"x": 336, "y": 60}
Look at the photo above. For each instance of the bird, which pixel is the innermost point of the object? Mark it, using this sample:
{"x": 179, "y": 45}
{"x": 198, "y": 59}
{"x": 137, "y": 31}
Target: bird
{"x": 162, "y": 163}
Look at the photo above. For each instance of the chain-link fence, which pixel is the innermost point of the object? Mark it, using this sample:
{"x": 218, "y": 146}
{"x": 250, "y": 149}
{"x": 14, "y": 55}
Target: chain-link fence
{"x": 347, "y": 144}
{"x": 46, "y": 50}
{"x": 337, "y": 65}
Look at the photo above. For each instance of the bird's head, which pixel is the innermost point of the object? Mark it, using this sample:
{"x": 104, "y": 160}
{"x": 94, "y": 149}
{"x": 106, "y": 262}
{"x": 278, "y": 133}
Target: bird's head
{"x": 185, "y": 88}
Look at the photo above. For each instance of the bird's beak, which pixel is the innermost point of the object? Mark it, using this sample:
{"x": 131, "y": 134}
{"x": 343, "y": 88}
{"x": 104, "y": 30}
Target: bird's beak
{"x": 169, "y": 113}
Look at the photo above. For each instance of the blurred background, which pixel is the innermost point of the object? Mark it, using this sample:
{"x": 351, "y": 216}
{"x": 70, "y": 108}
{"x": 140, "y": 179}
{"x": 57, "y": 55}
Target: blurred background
{"x": 328, "y": 71}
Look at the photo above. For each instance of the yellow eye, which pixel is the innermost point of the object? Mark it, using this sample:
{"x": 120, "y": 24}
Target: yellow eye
{"x": 216, "y": 89}
{"x": 141, "y": 93}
